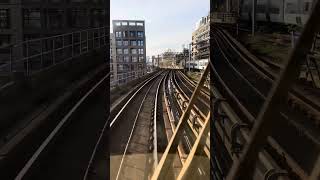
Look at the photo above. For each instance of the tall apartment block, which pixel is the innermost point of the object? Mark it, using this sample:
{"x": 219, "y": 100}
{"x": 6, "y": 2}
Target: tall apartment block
{"x": 22, "y": 20}
{"x": 201, "y": 39}
{"x": 129, "y": 61}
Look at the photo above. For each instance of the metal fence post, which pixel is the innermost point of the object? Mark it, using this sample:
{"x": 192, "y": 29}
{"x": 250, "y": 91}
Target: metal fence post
{"x": 41, "y": 56}
{"x": 11, "y": 59}
{"x": 27, "y": 55}
{"x": 53, "y": 51}
{"x": 80, "y": 42}
{"x": 72, "y": 44}
{"x": 99, "y": 37}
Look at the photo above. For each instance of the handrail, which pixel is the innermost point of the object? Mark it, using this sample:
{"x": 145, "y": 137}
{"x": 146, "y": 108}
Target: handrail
{"x": 32, "y": 56}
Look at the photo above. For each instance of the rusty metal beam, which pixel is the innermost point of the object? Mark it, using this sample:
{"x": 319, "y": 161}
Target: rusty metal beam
{"x": 268, "y": 115}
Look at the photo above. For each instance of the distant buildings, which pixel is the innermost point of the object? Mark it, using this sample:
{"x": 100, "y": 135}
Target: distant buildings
{"x": 201, "y": 39}
{"x": 156, "y": 60}
{"x": 129, "y": 57}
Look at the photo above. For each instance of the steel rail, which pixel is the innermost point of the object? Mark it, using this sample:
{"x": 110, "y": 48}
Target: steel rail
{"x": 251, "y": 119}
{"x": 232, "y": 119}
{"x": 155, "y": 143}
{"x": 185, "y": 98}
{"x": 197, "y": 110}
{"x": 193, "y": 84}
{"x": 130, "y": 99}
{"x": 188, "y": 88}
{"x": 133, "y": 128}
{"x": 260, "y": 68}
{"x": 166, "y": 159}
{"x": 51, "y": 136}
{"x": 267, "y": 116}
{"x": 181, "y": 153}
{"x": 196, "y": 134}
{"x": 310, "y": 136}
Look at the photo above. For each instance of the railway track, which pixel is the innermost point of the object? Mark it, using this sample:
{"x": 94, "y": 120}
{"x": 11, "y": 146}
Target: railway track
{"x": 131, "y": 138}
{"x": 245, "y": 83}
{"x": 178, "y": 96}
{"x": 66, "y": 150}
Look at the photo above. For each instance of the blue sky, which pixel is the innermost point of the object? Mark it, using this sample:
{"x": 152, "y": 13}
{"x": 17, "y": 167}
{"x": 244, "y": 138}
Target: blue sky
{"x": 169, "y": 23}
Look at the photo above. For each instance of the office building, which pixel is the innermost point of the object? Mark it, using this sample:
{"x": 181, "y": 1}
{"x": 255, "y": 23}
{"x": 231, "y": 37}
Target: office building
{"x": 130, "y": 50}
{"x": 201, "y": 39}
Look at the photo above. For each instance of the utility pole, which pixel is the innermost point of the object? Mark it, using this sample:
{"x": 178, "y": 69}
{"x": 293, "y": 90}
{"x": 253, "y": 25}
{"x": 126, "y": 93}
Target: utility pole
{"x": 190, "y": 55}
{"x": 254, "y": 6}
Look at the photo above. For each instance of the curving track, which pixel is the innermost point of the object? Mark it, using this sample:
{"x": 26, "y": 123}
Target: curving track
{"x": 130, "y": 140}
{"x": 64, "y": 154}
{"x": 245, "y": 82}
{"x": 179, "y": 90}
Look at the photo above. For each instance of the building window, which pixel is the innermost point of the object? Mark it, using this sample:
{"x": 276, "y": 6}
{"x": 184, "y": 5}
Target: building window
{"x": 119, "y": 51}
{"x": 139, "y": 24}
{"x": 119, "y": 59}
{"x": 118, "y": 34}
{"x": 141, "y": 59}
{"x": 140, "y": 43}
{"x": 31, "y": 18}
{"x": 132, "y": 24}
{"x": 133, "y": 43}
{"x": 55, "y": 17}
{"x": 119, "y": 43}
{"x": 125, "y": 51}
{"x": 126, "y": 43}
{"x": 125, "y": 33}
{"x": 120, "y": 68}
{"x": 124, "y": 23}
{"x": 4, "y": 18}
{"x": 133, "y": 51}
{"x": 132, "y": 34}
{"x": 79, "y": 18}
{"x": 126, "y": 59}
{"x": 140, "y": 33}
{"x": 140, "y": 51}
{"x": 134, "y": 59}
{"x": 118, "y": 23}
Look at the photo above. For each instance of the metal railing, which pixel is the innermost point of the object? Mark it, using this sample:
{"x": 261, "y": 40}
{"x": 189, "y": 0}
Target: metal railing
{"x": 35, "y": 55}
{"x": 126, "y": 77}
